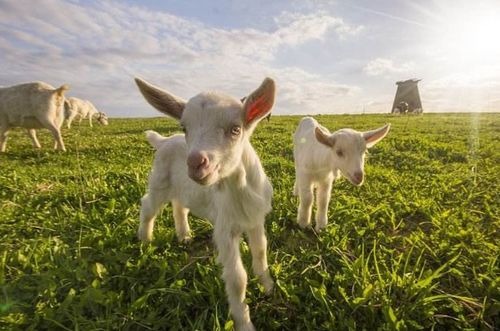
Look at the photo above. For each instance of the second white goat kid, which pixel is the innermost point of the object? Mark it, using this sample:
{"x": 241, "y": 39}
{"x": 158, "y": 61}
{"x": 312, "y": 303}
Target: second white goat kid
{"x": 213, "y": 171}
{"x": 320, "y": 158}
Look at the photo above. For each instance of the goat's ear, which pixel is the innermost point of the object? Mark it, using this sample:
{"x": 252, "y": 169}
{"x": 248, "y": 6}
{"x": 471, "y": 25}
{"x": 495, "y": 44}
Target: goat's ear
{"x": 165, "y": 102}
{"x": 259, "y": 104}
{"x": 374, "y": 136}
{"x": 324, "y": 138}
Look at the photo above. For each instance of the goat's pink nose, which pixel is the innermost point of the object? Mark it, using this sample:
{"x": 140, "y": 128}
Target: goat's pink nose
{"x": 358, "y": 176}
{"x": 197, "y": 160}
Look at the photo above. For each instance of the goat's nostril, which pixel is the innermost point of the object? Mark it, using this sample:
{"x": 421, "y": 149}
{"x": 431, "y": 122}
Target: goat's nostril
{"x": 197, "y": 160}
{"x": 203, "y": 163}
{"x": 204, "y": 160}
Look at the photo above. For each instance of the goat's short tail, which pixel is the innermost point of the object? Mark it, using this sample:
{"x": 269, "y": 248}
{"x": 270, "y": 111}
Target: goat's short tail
{"x": 155, "y": 139}
{"x": 60, "y": 90}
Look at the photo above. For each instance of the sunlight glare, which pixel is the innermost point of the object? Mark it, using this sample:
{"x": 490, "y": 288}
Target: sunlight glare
{"x": 471, "y": 35}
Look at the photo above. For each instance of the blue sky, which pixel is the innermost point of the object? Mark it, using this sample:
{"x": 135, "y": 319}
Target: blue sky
{"x": 326, "y": 56}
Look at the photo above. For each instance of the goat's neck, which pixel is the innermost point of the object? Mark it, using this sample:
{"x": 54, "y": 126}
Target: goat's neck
{"x": 248, "y": 188}
{"x": 248, "y": 174}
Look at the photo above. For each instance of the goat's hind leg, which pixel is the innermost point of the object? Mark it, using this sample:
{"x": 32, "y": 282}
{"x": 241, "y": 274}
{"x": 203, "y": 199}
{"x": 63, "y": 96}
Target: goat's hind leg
{"x": 34, "y": 140}
{"x": 181, "y": 221}
{"x": 56, "y": 133}
{"x": 151, "y": 204}
{"x": 3, "y": 138}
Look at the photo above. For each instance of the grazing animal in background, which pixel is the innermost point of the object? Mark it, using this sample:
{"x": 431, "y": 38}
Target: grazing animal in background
{"x": 74, "y": 107}
{"x": 213, "y": 171}
{"x": 402, "y": 108}
{"x": 32, "y": 106}
{"x": 320, "y": 158}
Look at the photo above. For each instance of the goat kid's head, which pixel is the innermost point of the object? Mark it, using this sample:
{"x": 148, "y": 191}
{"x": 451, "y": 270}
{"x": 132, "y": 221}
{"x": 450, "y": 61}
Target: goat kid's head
{"x": 349, "y": 148}
{"x": 216, "y": 126}
{"x": 102, "y": 118}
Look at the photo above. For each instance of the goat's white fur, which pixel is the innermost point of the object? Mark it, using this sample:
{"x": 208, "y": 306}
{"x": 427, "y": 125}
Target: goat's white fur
{"x": 235, "y": 193}
{"x": 32, "y": 105}
{"x": 74, "y": 107}
{"x": 320, "y": 158}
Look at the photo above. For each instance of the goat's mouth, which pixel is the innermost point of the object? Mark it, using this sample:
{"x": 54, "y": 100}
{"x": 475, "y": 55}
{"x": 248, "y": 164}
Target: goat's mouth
{"x": 355, "y": 181}
{"x": 206, "y": 177}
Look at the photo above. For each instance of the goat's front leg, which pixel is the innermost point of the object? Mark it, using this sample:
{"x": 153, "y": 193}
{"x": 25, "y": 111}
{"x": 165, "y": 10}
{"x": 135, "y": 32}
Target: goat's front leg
{"x": 258, "y": 246}
{"x": 234, "y": 274}
{"x": 305, "y": 191}
{"x": 323, "y": 193}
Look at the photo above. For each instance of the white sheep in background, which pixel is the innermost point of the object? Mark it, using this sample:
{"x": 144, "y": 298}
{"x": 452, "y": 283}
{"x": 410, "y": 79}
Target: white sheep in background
{"x": 32, "y": 106}
{"x": 214, "y": 172}
{"x": 74, "y": 107}
{"x": 320, "y": 157}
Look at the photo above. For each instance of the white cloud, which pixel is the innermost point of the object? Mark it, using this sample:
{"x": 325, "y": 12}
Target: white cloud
{"x": 382, "y": 66}
{"x": 311, "y": 93}
{"x": 97, "y": 47}
{"x": 297, "y": 28}
{"x": 476, "y": 90}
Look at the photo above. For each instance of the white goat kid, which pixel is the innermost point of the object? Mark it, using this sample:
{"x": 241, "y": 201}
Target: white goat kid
{"x": 74, "y": 107}
{"x": 32, "y": 106}
{"x": 214, "y": 172}
{"x": 320, "y": 157}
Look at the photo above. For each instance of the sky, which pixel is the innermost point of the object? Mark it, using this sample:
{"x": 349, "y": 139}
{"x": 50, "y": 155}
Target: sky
{"x": 327, "y": 57}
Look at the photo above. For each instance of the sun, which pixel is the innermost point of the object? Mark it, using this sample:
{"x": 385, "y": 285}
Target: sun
{"x": 470, "y": 34}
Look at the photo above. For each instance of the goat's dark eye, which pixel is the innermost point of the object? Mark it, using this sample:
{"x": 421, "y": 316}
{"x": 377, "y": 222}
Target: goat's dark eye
{"x": 183, "y": 128}
{"x": 340, "y": 153}
{"x": 236, "y": 130}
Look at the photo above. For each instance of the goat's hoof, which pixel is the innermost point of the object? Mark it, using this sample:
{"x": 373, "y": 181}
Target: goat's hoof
{"x": 186, "y": 239}
{"x": 318, "y": 229}
{"x": 267, "y": 282}
{"x": 320, "y": 224}
{"x": 268, "y": 288}
{"x": 144, "y": 237}
{"x": 303, "y": 224}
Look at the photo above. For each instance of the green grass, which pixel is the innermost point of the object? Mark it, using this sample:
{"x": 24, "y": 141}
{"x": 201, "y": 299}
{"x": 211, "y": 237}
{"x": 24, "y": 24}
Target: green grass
{"x": 416, "y": 247}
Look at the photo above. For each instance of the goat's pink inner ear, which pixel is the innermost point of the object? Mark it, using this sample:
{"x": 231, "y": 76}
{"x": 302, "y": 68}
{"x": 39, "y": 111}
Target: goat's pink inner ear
{"x": 258, "y": 107}
{"x": 323, "y": 137}
{"x": 259, "y": 103}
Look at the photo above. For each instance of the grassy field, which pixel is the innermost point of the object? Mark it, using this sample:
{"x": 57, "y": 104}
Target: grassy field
{"x": 416, "y": 247}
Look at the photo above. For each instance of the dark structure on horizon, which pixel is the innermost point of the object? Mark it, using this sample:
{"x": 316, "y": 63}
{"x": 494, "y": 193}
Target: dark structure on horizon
{"x": 407, "y": 99}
